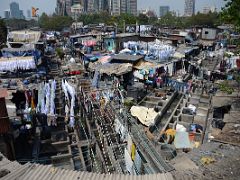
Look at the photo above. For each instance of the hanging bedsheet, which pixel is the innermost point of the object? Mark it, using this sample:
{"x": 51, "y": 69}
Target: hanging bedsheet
{"x": 11, "y": 64}
{"x": 68, "y": 89}
{"x": 156, "y": 50}
{"x": 46, "y": 101}
{"x": 179, "y": 86}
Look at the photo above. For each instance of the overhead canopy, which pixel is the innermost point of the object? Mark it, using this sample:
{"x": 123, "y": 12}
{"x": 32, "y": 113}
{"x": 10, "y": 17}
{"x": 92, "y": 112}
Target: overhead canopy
{"x": 25, "y": 36}
{"x": 104, "y": 59}
{"x": 126, "y": 58}
{"x": 178, "y": 55}
{"x": 110, "y": 69}
{"x": 126, "y": 50}
{"x": 146, "y": 65}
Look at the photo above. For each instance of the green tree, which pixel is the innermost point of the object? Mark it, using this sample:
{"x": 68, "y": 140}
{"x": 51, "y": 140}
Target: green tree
{"x": 56, "y": 23}
{"x": 225, "y": 87}
{"x": 168, "y": 20}
{"x": 143, "y": 19}
{"x": 231, "y": 13}
{"x": 200, "y": 19}
{"x": 237, "y": 78}
{"x": 44, "y": 20}
{"x": 3, "y": 32}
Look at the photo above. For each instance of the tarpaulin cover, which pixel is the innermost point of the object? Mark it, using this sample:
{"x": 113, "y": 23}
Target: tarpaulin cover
{"x": 109, "y": 69}
{"x": 90, "y": 43}
{"x": 145, "y": 115}
{"x": 126, "y": 50}
{"x": 146, "y": 65}
{"x": 178, "y": 55}
{"x": 104, "y": 59}
{"x": 25, "y": 36}
{"x": 18, "y": 52}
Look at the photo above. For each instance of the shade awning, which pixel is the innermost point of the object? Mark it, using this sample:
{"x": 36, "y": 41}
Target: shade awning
{"x": 178, "y": 55}
{"x": 110, "y": 69}
{"x": 146, "y": 65}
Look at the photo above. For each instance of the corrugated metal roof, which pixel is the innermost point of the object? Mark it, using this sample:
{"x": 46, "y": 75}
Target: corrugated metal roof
{"x": 47, "y": 172}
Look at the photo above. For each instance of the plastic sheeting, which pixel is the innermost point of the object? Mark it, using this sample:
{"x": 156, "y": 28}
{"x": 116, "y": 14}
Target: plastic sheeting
{"x": 109, "y": 69}
{"x": 104, "y": 59}
{"x": 145, "y": 115}
{"x": 25, "y": 36}
{"x": 89, "y": 43}
{"x": 11, "y": 64}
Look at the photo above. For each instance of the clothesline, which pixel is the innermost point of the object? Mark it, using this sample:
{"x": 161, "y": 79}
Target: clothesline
{"x": 48, "y": 115}
{"x": 11, "y": 64}
{"x": 16, "y": 58}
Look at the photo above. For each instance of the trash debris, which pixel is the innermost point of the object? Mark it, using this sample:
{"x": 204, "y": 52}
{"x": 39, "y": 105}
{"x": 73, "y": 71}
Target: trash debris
{"x": 207, "y": 160}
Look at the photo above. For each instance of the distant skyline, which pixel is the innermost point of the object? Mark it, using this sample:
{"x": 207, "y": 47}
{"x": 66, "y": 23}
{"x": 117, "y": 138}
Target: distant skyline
{"x": 48, "y": 6}
{"x": 178, "y": 5}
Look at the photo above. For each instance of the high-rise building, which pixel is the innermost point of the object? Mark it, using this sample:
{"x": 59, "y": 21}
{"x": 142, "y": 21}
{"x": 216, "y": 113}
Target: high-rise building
{"x": 208, "y": 9}
{"x": 123, "y": 4}
{"x": 132, "y": 7}
{"x": 115, "y": 7}
{"x": 14, "y": 10}
{"x": 93, "y": 6}
{"x": 128, "y": 7}
{"x": 64, "y": 6}
{"x": 76, "y": 2}
{"x": 85, "y": 5}
{"x": 163, "y": 10}
{"x": 29, "y": 14}
{"x": 103, "y": 5}
{"x": 7, "y": 14}
{"x": 189, "y": 8}
{"x": 76, "y": 11}
{"x": 22, "y": 14}
{"x": 60, "y": 9}
{"x": 68, "y": 5}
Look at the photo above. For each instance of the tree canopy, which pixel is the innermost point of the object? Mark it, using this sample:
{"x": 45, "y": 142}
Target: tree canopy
{"x": 54, "y": 22}
{"x": 104, "y": 17}
{"x": 169, "y": 20}
{"x": 231, "y": 13}
{"x": 211, "y": 19}
{"x": 18, "y": 24}
{"x": 3, "y": 32}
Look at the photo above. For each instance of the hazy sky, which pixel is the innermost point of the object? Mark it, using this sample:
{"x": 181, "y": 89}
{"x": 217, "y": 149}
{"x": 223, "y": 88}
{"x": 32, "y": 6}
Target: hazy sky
{"x": 49, "y": 5}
